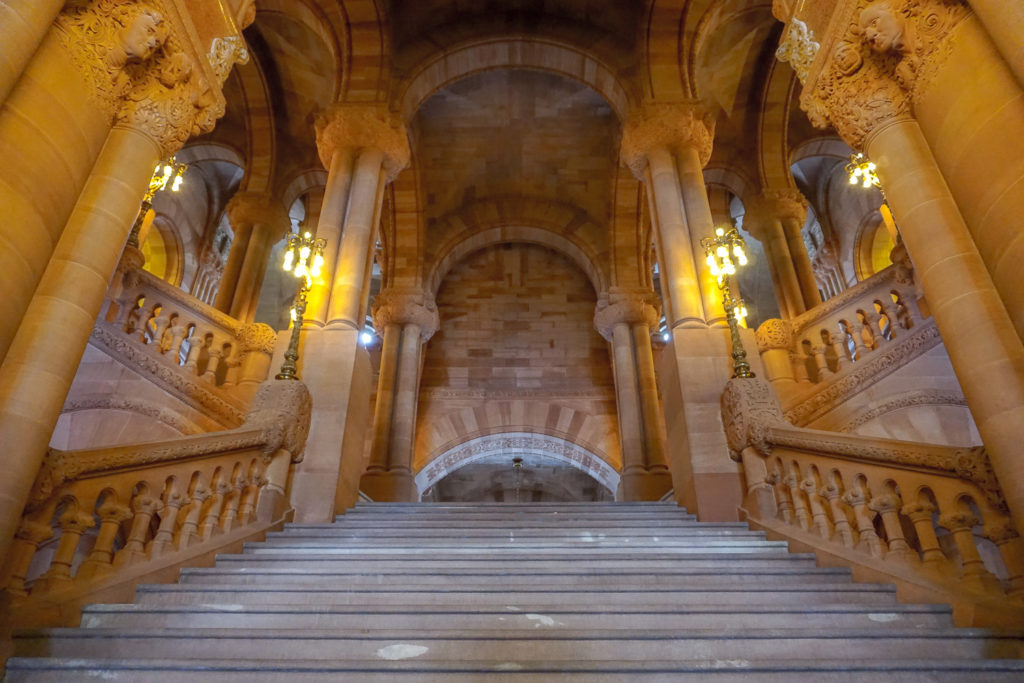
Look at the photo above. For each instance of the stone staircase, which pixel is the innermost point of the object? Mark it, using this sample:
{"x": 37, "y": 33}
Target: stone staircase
{"x": 533, "y": 592}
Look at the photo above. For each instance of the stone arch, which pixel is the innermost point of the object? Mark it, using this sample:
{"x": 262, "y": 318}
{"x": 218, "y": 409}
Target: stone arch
{"x": 325, "y": 20}
{"x": 730, "y": 178}
{"x": 562, "y": 228}
{"x": 825, "y": 146}
{"x": 302, "y": 182}
{"x": 513, "y": 52}
{"x": 479, "y": 447}
{"x": 259, "y": 114}
{"x": 773, "y": 128}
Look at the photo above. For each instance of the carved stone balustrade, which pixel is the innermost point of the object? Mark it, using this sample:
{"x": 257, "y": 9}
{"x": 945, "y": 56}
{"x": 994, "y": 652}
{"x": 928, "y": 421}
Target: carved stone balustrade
{"x": 202, "y": 356}
{"x": 880, "y": 505}
{"x": 152, "y": 505}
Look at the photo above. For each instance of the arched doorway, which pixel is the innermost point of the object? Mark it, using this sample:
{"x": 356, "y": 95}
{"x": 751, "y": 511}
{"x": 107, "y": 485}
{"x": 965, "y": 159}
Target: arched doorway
{"x": 517, "y": 467}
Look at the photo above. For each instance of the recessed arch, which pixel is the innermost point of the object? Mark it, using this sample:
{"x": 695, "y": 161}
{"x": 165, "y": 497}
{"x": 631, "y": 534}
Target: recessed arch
{"x": 514, "y": 52}
{"x": 481, "y": 447}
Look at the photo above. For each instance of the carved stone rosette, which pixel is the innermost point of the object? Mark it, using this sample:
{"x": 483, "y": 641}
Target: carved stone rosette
{"x": 360, "y": 126}
{"x": 394, "y": 306}
{"x": 626, "y": 306}
{"x": 668, "y": 126}
{"x": 749, "y": 410}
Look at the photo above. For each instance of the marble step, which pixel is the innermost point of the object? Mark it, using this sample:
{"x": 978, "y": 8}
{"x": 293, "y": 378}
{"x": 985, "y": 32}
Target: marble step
{"x": 502, "y": 670}
{"x": 580, "y": 577}
{"x": 340, "y": 533}
{"x": 515, "y": 545}
{"x": 256, "y": 614}
{"x": 811, "y": 594}
{"x": 529, "y": 645}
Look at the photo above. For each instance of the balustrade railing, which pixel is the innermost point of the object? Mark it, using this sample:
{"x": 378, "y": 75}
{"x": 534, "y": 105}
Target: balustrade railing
{"x": 157, "y": 327}
{"x": 98, "y": 513}
{"x": 843, "y": 331}
{"x": 925, "y": 513}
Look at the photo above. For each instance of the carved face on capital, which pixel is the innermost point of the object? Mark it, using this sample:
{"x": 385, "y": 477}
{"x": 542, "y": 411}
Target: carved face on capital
{"x": 144, "y": 35}
{"x": 176, "y": 69}
{"x": 882, "y": 28}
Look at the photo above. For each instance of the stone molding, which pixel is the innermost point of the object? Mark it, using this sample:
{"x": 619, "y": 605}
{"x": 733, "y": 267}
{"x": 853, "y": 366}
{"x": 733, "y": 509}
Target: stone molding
{"x": 401, "y": 306}
{"x": 924, "y": 397}
{"x": 187, "y": 388}
{"x": 158, "y": 412}
{"x": 507, "y": 444}
{"x": 626, "y": 306}
{"x": 879, "y": 64}
{"x": 670, "y": 126}
{"x": 363, "y": 126}
{"x": 879, "y": 365}
{"x": 246, "y": 209}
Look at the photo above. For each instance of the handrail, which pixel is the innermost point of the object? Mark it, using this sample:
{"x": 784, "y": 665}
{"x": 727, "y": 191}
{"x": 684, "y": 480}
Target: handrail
{"x": 207, "y": 359}
{"x": 149, "y": 501}
{"x": 879, "y": 503}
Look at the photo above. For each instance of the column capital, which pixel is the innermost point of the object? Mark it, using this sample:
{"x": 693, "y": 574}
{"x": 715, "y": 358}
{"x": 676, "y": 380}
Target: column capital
{"x": 363, "y": 126}
{"x": 406, "y": 306}
{"x": 170, "y": 102}
{"x": 246, "y": 209}
{"x": 958, "y": 521}
{"x": 630, "y": 306}
{"x": 670, "y": 126}
{"x": 774, "y": 334}
{"x": 770, "y": 205}
{"x": 881, "y": 60}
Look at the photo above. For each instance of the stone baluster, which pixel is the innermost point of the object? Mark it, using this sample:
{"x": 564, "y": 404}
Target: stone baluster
{"x": 31, "y": 534}
{"x": 803, "y": 516}
{"x": 172, "y": 500}
{"x": 830, "y": 493}
{"x": 143, "y": 509}
{"x": 1011, "y": 548}
{"x": 838, "y": 343}
{"x": 868, "y": 540}
{"x": 888, "y": 507}
{"x": 178, "y": 333}
{"x": 888, "y": 310}
{"x": 250, "y": 499}
{"x": 210, "y": 516}
{"x": 186, "y": 534}
{"x": 111, "y": 514}
{"x": 229, "y": 510}
{"x": 73, "y": 523}
{"x": 920, "y": 515}
{"x": 820, "y": 362}
{"x": 160, "y": 324}
{"x": 864, "y": 336}
{"x": 799, "y": 362}
{"x": 973, "y": 573}
{"x": 214, "y": 356}
{"x": 195, "y": 350}
{"x": 233, "y": 364}
{"x": 782, "y": 497}
{"x": 819, "y": 516}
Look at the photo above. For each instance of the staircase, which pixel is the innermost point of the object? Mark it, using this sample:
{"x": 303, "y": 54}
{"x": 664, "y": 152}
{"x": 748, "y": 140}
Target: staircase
{"x": 533, "y": 592}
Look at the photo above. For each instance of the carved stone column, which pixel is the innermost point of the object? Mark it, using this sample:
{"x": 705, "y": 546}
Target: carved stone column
{"x": 409, "y": 319}
{"x": 23, "y": 23}
{"x": 775, "y": 344}
{"x": 867, "y": 85}
{"x": 161, "y": 110}
{"x": 775, "y": 219}
{"x": 54, "y": 123}
{"x": 258, "y": 222}
{"x": 1004, "y": 21}
{"x": 363, "y": 149}
{"x": 625, "y": 318}
{"x": 666, "y": 146}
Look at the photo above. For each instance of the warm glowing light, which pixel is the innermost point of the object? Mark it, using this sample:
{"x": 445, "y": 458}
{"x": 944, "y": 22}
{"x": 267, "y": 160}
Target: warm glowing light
{"x": 366, "y": 337}
{"x": 289, "y": 257}
{"x": 862, "y": 172}
{"x": 720, "y": 232}
{"x": 665, "y": 336}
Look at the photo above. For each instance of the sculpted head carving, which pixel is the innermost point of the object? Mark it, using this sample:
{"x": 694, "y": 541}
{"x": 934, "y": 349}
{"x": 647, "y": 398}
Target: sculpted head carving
{"x": 143, "y": 34}
{"x": 883, "y": 29}
{"x": 177, "y": 68}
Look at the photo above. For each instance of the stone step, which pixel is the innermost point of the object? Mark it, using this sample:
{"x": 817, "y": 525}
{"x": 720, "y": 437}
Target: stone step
{"x": 506, "y": 525}
{"x": 512, "y": 516}
{"x": 340, "y": 533}
{"x": 249, "y": 611}
{"x": 593, "y": 552}
{"x": 502, "y": 577}
{"x": 475, "y": 508}
{"x": 502, "y": 670}
{"x": 183, "y": 594}
{"x": 536, "y": 644}
{"x": 515, "y": 545}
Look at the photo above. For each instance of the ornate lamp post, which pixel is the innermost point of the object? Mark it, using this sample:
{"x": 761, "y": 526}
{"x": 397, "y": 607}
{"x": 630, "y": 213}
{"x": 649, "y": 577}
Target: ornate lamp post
{"x": 725, "y": 251}
{"x": 861, "y": 171}
{"x": 167, "y": 174}
{"x": 303, "y": 259}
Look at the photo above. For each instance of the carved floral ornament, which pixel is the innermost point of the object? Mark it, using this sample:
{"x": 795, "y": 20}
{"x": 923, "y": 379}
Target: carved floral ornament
{"x": 397, "y": 306}
{"x": 356, "y": 126}
{"x": 625, "y": 306}
{"x": 774, "y": 334}
{"x": 880, "y": 64}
